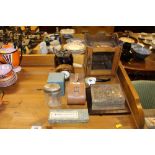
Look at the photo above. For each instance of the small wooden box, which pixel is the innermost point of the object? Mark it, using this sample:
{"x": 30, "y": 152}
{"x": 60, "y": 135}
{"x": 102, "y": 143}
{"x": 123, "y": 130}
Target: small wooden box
{"x": 76, "y": 93}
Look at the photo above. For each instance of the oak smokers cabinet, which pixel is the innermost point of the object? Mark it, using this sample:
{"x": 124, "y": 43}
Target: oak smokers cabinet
{"x": 102, "y": 60}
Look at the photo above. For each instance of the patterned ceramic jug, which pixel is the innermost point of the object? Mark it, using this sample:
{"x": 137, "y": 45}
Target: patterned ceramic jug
{"x": 7, "y": 76}
{"x": 11, "y": 55}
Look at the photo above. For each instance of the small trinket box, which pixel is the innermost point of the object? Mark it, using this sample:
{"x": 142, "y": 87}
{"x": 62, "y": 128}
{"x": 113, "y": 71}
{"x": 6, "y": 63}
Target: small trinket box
{"x": 59, "y": 79}
{"x": 107, "y": 97}
{"x": 76, "y": 93}
{"x": 68, "y": 116}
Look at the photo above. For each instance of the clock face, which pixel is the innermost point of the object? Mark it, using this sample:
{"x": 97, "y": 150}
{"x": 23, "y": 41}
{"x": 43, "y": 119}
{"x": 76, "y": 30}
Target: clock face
{"x": 102, "y": 60}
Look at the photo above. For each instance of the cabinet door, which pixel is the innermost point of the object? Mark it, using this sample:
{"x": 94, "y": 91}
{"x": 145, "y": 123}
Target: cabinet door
{"x": 102, "y": 61}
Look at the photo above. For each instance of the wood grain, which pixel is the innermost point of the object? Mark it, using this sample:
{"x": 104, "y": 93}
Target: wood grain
{"x": 48, "y": 59}
{"x": 147, "y": 65}
{"x": 25, "y": 105}
{"x": 132, "y": 96}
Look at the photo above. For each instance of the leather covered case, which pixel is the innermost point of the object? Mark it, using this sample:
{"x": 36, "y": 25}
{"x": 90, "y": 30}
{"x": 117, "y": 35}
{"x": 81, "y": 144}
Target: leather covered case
{"x": 76, "y": 93}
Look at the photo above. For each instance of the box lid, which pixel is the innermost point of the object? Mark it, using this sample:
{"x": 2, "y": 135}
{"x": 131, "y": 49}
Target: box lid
{"x": 55, "y": 77}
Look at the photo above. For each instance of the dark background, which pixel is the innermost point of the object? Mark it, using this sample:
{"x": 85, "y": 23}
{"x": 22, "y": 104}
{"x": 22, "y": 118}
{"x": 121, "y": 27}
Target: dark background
{"x": 149, "y": 29}
{"x": 94, "y": 29}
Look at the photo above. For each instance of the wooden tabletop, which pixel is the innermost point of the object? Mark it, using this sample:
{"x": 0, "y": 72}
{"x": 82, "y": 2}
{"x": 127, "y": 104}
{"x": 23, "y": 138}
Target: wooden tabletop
{"x": 145, "y": 65}
{"x": 25, "y": 105}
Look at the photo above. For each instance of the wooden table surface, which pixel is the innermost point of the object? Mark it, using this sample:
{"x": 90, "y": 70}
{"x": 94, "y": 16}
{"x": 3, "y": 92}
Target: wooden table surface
{"x": 24, "y": 105}
{"x": 148, "y": 65}
{"x": 145, "y": 65}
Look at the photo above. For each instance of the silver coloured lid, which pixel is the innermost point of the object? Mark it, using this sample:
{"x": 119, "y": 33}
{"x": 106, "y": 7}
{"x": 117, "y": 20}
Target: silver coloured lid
{"x": 52, "y": 88}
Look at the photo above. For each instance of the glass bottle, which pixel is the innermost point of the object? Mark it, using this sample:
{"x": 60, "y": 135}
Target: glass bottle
{"x": 52, "y": 92}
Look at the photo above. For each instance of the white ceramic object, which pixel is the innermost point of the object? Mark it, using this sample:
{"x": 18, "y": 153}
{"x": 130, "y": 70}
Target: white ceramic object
{"x": 43, "y": 48}
{"x": 5, "y": 69}
{"x": 90, "y": 80}
{"x": 7, "y": 75}
{"x": 66, "y": 74}
{"x": 75, "y": 47}
{"x": 67, "y": 31}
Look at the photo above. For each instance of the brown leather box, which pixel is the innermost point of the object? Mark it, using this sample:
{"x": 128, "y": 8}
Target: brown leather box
{"x": 76, "y": 93}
